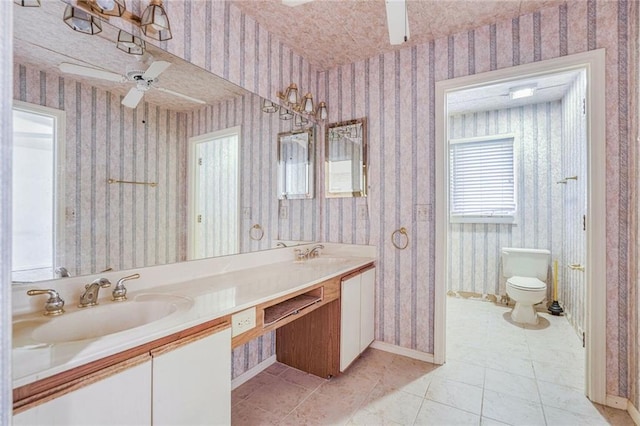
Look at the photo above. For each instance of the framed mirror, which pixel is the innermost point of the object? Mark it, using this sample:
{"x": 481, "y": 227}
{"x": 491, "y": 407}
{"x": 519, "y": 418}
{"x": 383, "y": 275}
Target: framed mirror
{"x": 346, "y": 159}
{"x": 295, "y": 164}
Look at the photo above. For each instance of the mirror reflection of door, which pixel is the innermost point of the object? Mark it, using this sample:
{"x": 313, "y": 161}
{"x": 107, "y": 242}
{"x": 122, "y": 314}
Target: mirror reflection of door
{"x": 214, "y": 220}
{"x": 37, "y": 145}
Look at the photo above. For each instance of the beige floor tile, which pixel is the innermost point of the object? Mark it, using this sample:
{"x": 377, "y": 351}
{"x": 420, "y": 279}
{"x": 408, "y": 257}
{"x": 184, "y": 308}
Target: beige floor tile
{"x": 556, "y": 416}
{"x": 511, "y": 384}
{"x": 351, "y": 387}
{"x": 246, "y": 389}
{"x": 247, "y": 414}
{"x": 279, "y": 397}
{"x": 512, "y": 410}
{"x": 397, "y": 406}
{"x": 566, "y": 398}
{"x": 456, "y": 394}
{"x": 615, "y": 416}
{"x": 325, "y": 409}
{"x": 300, "y": 378}
{"x": 435, "y": 414}
{"x": 276, "y": 369}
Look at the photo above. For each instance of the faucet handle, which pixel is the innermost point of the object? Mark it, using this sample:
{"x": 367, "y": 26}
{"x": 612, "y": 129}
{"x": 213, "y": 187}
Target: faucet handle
{"x": 120, "y": 291}
{"x": 54, "y": 305}
{"x": 102, "y": 282}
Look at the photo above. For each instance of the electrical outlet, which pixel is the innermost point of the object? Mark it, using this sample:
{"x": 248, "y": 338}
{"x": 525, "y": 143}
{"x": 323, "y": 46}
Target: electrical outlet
{"x": 246, "y": 212}
{"x": 362, "y": 213}
{"x": 243, "y": 321}
{"x": 422, "y": 212}
{"x": 284, "y": 212}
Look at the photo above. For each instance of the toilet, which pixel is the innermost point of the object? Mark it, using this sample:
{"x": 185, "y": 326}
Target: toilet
{"x": 526, "y": 272}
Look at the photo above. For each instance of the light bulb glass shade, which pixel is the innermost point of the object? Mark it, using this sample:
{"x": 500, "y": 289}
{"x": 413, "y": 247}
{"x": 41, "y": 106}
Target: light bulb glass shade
{"x": 130, "y": 44}
{"x": 285, "y": 114}
{"x": 322, "y": 111}
{"x": 307, "y": 104}
{"x": 300, "y": 121}
{"x": 27, "y": 3}
{"x": 292, "y": 94}
{"x": 108, "y": 7}
{"x": 155, "y": 23}
{"x": 81, "y": 21}
{"x": 268, "y": 106}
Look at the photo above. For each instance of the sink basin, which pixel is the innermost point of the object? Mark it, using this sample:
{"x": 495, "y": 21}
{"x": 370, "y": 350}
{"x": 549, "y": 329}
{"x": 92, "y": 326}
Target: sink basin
{"x": 102, "y": 320}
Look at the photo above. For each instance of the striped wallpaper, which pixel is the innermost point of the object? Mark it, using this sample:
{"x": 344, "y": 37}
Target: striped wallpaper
{"x": 114, "y": 225}
{"x": 474, "y": 248}
{"x": 395, "y": 91}
{"x": 258, "y": 192}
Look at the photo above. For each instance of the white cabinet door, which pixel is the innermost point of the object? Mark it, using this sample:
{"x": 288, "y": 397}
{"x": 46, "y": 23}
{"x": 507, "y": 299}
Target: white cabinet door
{"x": 349, "y": 321}
{"x": 367, "y": 308}
{"x": 123, "y": 398}
{"x": 192, "y": 382}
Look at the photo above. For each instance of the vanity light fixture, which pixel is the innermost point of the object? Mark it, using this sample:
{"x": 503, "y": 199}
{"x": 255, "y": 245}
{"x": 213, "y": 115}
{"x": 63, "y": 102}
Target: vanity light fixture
{"x": 154, "y": 21}
{"x": 27, "y": 3}
{"x": 268, "y": 106}
{"x": 130, "y": 44}
{"x": 322, "y": 111}
{"x": 285, "y": 114}
{"x": 108, "y": 7}
{"x": 81, "y": 21}
{"x": 522, "y": 92}
{"x": 300, "y": 121}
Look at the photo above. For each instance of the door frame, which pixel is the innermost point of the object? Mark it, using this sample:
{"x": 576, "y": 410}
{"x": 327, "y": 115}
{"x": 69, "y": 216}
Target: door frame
{"x": 192, "y": 181}
{"x": 595, "y": 328}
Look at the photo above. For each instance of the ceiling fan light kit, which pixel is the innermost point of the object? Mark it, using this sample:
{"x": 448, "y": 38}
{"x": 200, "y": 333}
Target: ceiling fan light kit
{"x": 81, "y": 21}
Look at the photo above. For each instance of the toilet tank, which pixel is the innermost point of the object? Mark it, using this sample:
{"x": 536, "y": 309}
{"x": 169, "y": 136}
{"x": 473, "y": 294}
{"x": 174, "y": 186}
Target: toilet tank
{"x": 523, "y": 262}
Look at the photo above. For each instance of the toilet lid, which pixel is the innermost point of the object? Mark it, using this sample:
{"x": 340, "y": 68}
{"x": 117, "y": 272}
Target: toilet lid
{"x": 526, "y": 283}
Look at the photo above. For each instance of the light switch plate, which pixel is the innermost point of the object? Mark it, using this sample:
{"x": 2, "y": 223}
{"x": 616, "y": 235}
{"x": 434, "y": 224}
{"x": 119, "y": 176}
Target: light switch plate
{"x": 362, "y": 212}
{"x": 246, "y": 212}
{"x": 422, "y": 212}
{"x": 284, "y": 212}
{"x": 243, "y": 321}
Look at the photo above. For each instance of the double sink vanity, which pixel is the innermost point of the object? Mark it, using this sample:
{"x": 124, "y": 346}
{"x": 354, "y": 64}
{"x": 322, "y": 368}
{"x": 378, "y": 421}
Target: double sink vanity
{"x": 163, "y": 355}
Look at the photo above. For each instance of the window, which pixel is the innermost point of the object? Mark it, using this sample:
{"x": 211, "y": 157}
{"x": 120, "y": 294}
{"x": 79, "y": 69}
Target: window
{"x": 37, "y": 148}
{"x": 482, "y": 180}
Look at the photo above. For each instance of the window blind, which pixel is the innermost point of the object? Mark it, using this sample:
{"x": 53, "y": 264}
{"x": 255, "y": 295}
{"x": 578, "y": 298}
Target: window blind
{"x": 482, "y": 177}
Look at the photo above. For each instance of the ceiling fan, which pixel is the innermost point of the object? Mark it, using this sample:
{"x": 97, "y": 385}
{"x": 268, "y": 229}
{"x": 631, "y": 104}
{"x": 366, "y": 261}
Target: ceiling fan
{"x": 143, "y": 80}
{"x": 397, "y": 18}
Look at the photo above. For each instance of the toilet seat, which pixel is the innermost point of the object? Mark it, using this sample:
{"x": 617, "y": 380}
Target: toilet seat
{"x": 526, "y": 283}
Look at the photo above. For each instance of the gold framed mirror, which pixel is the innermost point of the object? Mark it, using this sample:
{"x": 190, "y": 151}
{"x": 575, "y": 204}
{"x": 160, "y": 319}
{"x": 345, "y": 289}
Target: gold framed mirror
{"x": 346, "y": 159}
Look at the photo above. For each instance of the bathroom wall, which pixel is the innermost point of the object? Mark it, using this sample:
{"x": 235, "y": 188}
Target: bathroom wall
{"x": 572, "y": 283}
{"x": 395, "y": 91}
{"x": 259, "y": 192}
{"x": 474, "y": 248}
{"x": 114, "y": 225}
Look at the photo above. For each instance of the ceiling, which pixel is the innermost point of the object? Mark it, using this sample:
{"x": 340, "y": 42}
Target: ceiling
{"x": 62, "y": 44}
{"x": 328, "y": 33}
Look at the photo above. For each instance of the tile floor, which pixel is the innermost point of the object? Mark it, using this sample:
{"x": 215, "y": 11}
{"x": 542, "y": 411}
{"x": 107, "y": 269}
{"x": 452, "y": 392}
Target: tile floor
{"x": 539, "y": 382}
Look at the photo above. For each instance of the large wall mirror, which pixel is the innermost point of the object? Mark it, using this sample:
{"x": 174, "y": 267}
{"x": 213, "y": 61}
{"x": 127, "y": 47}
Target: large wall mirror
{"x": 295, "y": 164}
{"x": 120, "y": 191}
{"x": 346, "y": 159}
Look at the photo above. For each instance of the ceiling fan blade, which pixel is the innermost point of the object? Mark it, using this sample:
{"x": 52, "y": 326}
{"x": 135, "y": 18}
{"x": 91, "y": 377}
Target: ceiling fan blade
{"x": 91, "y": 72}
{"x": 133, "y": 98}
{"x": 397, "y": 21}
{"x": 189, "y": 98}
{"x": 155, "y": 70}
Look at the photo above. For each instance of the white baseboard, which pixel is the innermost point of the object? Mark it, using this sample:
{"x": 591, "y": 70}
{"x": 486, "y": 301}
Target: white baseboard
{"x": 411, "y": 353}
{"x": 617, "y": 402}
{"x": 634, "y": 413}
{"x": 252, "y": 372}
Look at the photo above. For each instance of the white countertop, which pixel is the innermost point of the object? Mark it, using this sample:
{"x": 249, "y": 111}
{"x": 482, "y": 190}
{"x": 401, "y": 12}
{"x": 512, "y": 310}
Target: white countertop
{"x": 213, "y": 296}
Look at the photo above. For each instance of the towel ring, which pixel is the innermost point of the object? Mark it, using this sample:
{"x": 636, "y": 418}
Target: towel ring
{"x": 401, "y": 231}
{"x": 256, "y": 232}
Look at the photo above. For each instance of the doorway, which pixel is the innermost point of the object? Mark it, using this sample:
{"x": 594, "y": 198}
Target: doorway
{"x": 593, "y": 65}
{"x": 214, "y": 194}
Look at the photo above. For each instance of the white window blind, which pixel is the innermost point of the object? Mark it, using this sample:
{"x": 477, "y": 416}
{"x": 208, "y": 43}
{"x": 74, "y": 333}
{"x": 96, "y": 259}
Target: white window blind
{"x": 482, "y": 180}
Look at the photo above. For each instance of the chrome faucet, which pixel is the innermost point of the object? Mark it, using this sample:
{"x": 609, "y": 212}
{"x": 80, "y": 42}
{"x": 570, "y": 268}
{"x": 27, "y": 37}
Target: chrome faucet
{"x": 281, "y": 244}
{"x": 90, "y": 296}
{"x": 120, "y": 291}
{"x": 301, "y": 255}
{"x": 63, "y": 272}
{"x": 315, "y": 251}
{"x": 53, "y": 305}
